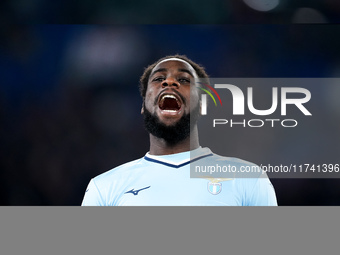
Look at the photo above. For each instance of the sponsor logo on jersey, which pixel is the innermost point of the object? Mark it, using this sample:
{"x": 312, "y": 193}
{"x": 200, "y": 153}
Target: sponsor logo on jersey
{"x": 135, "y": 192}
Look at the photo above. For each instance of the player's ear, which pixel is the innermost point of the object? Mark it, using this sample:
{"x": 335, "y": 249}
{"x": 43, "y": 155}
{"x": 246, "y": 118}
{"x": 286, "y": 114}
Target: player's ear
{"x": 142, "y": 110}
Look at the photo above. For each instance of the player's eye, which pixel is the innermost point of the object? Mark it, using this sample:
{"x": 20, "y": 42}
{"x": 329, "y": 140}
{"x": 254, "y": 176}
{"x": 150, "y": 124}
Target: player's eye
{"x": 184, "y": 80}
{"x": 158, "y": 78}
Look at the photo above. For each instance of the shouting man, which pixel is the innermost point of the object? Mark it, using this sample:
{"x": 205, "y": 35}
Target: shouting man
{"x": 162, "y": 177}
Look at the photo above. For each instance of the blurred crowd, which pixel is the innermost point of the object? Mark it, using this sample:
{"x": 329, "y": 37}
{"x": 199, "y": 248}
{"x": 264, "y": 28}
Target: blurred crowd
{"x": 170, "y": 11}
{"x": 70, "y": 105}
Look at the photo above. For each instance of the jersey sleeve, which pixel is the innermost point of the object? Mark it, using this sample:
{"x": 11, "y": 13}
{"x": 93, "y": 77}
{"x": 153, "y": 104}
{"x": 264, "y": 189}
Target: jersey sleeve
{"x": 92, "y": 195}
{"x": 263, "y": 193}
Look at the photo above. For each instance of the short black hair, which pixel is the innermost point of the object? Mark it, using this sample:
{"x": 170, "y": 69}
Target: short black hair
{"x": 143, "y": 82}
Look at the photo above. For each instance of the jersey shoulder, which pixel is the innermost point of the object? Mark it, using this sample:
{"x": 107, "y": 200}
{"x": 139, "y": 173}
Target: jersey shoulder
{"x": 123, "y": 169}
{"x": 255, "y": 186}
{"x": 231, "y": 160}
{"x": 237, "y": 167}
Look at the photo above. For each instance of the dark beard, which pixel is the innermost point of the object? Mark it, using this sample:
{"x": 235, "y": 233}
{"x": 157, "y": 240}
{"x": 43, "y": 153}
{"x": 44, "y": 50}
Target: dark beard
{"x": 171, "y": 134}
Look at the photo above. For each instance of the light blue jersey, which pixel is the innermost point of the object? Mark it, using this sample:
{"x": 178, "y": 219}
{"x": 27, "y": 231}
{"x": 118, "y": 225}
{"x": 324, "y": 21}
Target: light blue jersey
{"x": 165, "y": 181}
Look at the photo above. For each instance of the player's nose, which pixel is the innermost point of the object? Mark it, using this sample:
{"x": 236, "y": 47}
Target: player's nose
{"x": 170, "y": 81}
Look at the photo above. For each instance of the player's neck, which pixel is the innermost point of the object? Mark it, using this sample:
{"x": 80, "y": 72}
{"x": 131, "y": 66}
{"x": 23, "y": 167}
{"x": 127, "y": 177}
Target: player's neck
{"x": 159, "y": 146}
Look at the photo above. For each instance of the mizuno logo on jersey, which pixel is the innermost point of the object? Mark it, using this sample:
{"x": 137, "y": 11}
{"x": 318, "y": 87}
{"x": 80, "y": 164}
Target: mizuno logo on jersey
{"x": 135, "y": 192}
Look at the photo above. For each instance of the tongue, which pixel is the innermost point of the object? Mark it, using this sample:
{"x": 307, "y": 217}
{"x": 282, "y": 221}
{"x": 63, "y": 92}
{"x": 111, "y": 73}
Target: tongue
{"x": 169, "y": 104}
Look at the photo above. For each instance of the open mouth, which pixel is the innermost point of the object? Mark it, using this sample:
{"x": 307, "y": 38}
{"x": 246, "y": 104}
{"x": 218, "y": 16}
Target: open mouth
{"x": 169, "y": 103}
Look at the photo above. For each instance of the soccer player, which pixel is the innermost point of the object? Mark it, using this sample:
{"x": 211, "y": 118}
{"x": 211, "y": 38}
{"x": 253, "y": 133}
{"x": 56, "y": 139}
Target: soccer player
{"x": 162, "y": 176}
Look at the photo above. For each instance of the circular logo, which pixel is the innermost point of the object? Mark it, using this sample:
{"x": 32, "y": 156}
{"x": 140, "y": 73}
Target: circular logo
{"x": 214, "y": 187}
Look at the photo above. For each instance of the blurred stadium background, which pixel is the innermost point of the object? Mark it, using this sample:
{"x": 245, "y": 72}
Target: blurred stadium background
{"x": 69, "y": 100}
{"x": 171, "y": 11}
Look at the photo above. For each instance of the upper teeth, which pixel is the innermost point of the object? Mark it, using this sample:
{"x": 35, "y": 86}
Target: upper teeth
{"x": 169, "y": 96}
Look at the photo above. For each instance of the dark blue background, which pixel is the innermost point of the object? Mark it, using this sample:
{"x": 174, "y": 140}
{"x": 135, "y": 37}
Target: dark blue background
{"x": 70, "y": 106}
